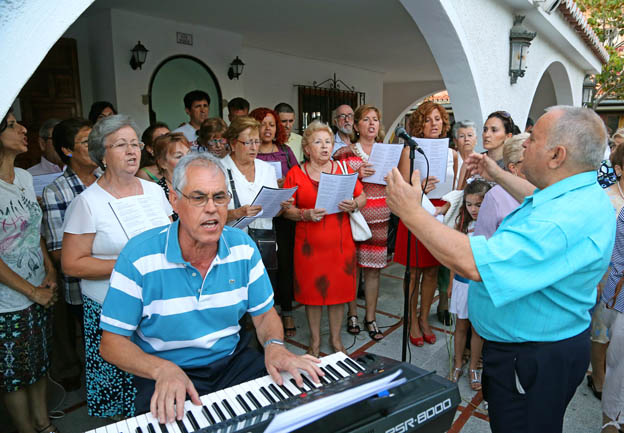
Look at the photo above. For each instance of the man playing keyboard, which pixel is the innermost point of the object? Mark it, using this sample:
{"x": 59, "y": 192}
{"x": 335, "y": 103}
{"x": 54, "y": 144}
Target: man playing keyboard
{"x": 177, "y": 293}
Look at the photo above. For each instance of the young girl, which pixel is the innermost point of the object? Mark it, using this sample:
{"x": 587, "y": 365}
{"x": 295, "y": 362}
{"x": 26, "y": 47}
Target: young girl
{"x": 473, "y": 196}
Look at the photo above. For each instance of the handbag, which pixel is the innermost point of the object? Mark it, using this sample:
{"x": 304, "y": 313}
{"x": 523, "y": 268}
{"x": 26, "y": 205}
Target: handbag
{"x": 264, "y": 239}
{"x": 359, "y": 228}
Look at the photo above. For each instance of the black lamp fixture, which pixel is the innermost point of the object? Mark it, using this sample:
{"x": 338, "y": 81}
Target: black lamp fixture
{"x": 589, "y": 91}
{"x": 139, "y": 53}
{"x": 236, "y": 68}
{"x": 519, "y": 42}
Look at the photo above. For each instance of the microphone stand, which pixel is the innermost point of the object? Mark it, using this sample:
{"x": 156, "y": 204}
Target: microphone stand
{"x": 408, "y": 267}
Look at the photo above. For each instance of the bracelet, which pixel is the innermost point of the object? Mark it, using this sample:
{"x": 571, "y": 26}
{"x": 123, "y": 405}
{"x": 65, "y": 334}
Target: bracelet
{"x": 301, "y": 214}
{"x": 273, "y": 341}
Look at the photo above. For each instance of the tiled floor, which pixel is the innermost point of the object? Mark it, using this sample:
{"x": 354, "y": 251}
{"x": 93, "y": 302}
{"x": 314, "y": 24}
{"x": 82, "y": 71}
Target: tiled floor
{"x": 583, "y": 414}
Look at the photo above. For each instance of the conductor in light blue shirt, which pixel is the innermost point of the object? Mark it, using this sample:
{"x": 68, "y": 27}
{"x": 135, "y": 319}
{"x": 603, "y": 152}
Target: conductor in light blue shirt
{"x": 534, "y": 280}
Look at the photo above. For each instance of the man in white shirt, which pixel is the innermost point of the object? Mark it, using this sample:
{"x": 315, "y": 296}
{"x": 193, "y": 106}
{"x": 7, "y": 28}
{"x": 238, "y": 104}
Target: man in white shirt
{"x": 342, "y": 119}
{"x": 50, "y": 161}
{"x": 286, "y": 115}
{"x": 197, "y": 106}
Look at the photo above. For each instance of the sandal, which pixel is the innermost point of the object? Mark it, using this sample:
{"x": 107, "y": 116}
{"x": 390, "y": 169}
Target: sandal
{"x": 455, "y": 375}
{"x": 289, "y": 331}
{"x": 50, "y": 428}
{"x": 373, "y": 330}
{"x": 353, "y": 327}
{"x": 475, "y": 380}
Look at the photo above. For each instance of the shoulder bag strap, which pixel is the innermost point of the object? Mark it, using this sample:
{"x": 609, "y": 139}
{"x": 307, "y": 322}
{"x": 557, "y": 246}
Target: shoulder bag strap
{"x": 233, "y": 187}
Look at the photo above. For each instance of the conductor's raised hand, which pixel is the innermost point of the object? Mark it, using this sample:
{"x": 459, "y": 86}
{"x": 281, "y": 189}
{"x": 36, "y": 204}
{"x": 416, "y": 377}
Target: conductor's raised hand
{"x": 400, "y": 195}
{"x": 482, "y": 165}
{"x": 277, "y": 358}
{"x": 172, "y": 385}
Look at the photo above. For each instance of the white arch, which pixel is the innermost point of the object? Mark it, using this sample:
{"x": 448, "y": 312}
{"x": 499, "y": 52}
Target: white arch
{"x": 450, "y": 49}
{"x": 561, "y": 82}
{"x": 28, "y": 29}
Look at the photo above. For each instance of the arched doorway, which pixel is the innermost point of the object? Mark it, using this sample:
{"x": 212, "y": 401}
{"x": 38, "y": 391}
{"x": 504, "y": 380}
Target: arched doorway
{"x": 175, "y": 77}
{"x": 554, "y": 88}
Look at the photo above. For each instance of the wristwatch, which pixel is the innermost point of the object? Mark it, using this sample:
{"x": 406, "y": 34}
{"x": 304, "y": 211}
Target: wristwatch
{"x": 273, "y": 341}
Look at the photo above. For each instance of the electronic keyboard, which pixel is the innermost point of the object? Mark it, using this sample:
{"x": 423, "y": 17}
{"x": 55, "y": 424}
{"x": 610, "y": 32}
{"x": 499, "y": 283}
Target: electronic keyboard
{"x": 424, "y": 402}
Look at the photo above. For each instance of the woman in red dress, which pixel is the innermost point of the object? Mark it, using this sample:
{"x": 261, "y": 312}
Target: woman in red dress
{"x": 429, "y": 120}
{"x": 324, "y": 254}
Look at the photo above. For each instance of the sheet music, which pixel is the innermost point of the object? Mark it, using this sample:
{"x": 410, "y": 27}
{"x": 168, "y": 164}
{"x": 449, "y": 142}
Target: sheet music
{"x": 138, "y": 213}
{"x": 384, "y": 157}
{"x": 334, "y": 188}
{"x": 40, "y": 181}
{"x": 437, "y": 152}
{"x": 277, "y": 166}
{"x": 270, "y": 199}
{"x": 307, "y": 413}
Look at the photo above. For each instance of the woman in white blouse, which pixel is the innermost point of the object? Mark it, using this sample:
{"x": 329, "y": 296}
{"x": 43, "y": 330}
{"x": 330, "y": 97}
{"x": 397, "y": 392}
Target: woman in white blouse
{"x": 92, "y": 240}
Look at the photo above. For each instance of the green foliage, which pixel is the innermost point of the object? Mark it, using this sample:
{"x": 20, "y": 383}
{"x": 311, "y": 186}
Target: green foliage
{"x": 606, "y": 17}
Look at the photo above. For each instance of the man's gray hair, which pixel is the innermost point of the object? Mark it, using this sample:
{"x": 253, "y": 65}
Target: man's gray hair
{"x": 202, "y": 159}
{"x": 102, "y": 129}
{"x": 46, "y": 128}
{"x": 463, "y": 124}
{"x": 582, "y": 132}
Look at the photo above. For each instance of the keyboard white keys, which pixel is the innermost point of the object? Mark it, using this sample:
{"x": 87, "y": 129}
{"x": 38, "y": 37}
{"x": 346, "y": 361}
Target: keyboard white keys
{"x": 240, "y": 399}
{"x": 132, "y": 424}
{"x": 198, "y": 416}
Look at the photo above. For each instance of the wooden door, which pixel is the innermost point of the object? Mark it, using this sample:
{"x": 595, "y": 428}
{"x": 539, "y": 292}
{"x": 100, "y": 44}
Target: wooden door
{"x": 52, "y": 91}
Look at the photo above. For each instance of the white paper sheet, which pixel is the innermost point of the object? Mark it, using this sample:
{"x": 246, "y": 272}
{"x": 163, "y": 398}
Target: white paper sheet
{"x": 270, "y": 199}
{"x": 307, "y": 413}
{"x": 384, "y": 157}
{"x": 138, "y": 213}
{"x": 40, "y": 181}
{"x": 437, "y": 152}
{"x": 277, "y": 166}
{"x": 334, "y": 188}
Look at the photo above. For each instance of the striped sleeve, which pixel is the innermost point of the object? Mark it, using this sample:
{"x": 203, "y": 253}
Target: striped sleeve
{"x": 123, "y": 306}
{"x": 260, "y": 291}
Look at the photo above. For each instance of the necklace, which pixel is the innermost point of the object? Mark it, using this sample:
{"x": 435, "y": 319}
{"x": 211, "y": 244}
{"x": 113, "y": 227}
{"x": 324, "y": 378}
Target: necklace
{"x": 357, "y": 149}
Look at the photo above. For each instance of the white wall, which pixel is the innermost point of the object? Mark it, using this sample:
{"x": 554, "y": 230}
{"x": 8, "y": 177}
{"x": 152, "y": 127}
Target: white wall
{"x": 216, "y": 48}
{"x": 398, "y": 97}
{"x": 544, "y": 98}
{"x": 270, "y": 77}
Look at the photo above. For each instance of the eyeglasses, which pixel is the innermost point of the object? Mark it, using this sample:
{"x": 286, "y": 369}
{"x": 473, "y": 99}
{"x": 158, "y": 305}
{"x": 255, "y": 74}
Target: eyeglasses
{"x": 135, "y": 145}
{"x": 345, "y": 116}
{"x": 200, "y": 200}
{"x": 217, "y": 141}
{"x": 249, "y": 142}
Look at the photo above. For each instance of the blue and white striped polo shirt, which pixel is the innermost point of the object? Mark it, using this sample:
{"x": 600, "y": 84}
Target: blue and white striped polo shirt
{"x": 617, "y": 267}
{"x": 161, "y": 301}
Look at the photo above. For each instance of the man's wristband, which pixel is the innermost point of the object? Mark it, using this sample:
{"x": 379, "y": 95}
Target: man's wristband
{"x": 273, "y": 341}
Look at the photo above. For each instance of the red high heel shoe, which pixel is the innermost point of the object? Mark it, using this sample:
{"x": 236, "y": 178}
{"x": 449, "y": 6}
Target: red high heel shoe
{"x": 417, "y": 341}
{"x": 430, "y": 339}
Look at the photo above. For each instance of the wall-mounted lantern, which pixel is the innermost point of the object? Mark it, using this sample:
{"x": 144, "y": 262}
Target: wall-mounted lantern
{"x": 236, "y": 68}
{"x": 519, "y": 42}
{"x": 139, "y": 53}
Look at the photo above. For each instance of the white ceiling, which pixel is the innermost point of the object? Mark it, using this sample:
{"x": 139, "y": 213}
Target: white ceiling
{"x": 377, "y": 35}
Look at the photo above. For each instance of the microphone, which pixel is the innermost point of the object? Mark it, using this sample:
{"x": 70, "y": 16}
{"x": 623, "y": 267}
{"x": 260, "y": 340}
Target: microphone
{"x": 402, "y": 133}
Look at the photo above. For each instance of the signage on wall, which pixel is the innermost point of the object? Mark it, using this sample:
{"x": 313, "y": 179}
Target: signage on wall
{"x": 184, "y": 38}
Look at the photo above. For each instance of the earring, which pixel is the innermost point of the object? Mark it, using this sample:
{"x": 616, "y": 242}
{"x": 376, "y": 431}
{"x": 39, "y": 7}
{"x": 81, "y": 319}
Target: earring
{"x": 69, "y": 155}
